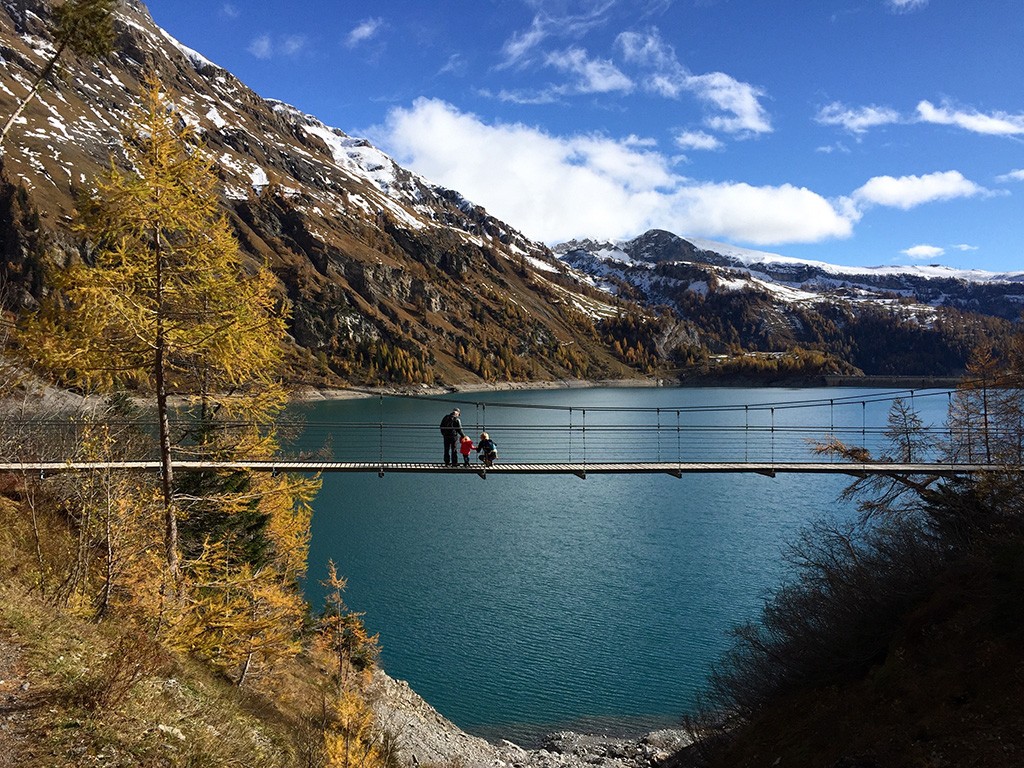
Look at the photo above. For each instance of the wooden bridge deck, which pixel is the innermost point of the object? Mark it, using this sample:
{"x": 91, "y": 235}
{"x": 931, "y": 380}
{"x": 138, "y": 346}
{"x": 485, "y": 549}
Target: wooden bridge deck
{"x": 677, "y": 469}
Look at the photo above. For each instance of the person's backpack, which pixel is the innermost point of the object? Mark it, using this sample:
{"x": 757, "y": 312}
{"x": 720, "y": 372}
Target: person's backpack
{"x": 446, "y": 424}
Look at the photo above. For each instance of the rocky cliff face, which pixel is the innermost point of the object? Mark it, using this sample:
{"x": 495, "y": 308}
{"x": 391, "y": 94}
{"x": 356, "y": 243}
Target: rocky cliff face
{"x": 389, "y": 278}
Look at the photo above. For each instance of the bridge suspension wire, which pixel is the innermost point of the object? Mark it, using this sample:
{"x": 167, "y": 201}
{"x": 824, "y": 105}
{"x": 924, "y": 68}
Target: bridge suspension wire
{"x": 877, "y": 397}
{"x": 551, "y": 434}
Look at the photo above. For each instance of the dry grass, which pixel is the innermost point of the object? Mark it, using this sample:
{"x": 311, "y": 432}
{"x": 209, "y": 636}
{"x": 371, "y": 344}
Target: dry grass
{"x": 77, "y": 692}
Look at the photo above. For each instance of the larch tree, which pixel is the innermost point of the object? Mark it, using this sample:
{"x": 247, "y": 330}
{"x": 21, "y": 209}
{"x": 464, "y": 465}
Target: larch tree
{"x": 162, "y": 303}
{"x": 85, "y": 27}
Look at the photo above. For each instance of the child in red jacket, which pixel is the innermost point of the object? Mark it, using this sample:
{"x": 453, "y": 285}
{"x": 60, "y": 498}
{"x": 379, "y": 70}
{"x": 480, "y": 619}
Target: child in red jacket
{"x": 465, "y": 446}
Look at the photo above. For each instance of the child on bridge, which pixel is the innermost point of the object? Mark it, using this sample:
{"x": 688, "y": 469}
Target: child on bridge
{"x": 465, "y": 446}
{"x": 486, "y": 449}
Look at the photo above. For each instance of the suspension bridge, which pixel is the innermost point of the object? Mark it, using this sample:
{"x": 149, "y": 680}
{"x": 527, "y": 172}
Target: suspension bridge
{"x": 767, "y": 438}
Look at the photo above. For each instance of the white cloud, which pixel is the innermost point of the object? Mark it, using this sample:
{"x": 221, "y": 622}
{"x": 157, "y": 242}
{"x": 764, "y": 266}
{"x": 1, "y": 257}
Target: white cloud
{"x": 229, "y": 10}
{"x": 908, "y": 192}
{"x": 518, "y": 50}
{"x": 456, "y": 65}
{"x": 997, "y": 124}
{"x": 905, "y": 6}
{"x": 1017, "y": 175}
{"x": 556, "y": 188}
{"x": 923, "y": 251}
{"x": 518, "y": 47}
{"x": 856, "y": 119}
{"x": 732, "y": 96}
{"x": 261, "y": 47}
{"x": 964, "y": 247}
{"x": 365, "y": 30}
{"x": 761, "y": 215}
{"x": 697, "y": 140}
{"x": 293, "y": 45}
{"x": 739, "y": 101}
{"x": 592, "y": 75}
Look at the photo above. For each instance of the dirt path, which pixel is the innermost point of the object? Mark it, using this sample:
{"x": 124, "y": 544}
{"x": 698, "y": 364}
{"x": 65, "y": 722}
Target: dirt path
{"x": 14, "y": 694}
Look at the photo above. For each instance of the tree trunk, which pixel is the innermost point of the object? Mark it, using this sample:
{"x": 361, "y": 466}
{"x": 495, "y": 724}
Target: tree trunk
{"x": 166, "y": 468}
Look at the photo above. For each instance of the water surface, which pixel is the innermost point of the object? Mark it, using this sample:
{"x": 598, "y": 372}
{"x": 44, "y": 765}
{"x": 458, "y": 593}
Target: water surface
{"x": 519, "y": 605}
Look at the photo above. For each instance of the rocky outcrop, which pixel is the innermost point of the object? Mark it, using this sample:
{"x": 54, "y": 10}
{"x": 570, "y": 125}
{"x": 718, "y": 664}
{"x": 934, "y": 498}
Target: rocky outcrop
{"x": 424, "y": 737}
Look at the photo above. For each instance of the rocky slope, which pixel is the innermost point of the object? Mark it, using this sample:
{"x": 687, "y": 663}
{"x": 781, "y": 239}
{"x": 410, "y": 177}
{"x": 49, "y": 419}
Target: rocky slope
{"x": 661, "y": 264}
{"x": 881, "y": 320}
{"x": 425, "y": 737}
{"x": 393, "y": 280}
{"x": 389, "y": 278}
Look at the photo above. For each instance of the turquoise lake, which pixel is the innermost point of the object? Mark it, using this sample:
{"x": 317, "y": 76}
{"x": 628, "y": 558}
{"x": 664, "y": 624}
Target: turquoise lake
{"x": 521, "y": 605}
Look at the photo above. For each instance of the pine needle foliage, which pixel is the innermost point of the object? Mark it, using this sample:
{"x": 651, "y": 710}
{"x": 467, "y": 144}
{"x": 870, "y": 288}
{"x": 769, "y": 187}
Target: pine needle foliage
{"x": 162, "y": 302}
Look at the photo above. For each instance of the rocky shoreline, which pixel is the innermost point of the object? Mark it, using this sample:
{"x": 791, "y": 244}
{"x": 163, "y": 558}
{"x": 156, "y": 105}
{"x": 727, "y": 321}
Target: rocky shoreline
{"x": 425, "y": 737}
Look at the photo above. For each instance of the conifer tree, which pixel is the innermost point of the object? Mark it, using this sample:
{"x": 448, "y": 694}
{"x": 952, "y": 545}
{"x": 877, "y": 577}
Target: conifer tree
{"x": 162, "y": 302}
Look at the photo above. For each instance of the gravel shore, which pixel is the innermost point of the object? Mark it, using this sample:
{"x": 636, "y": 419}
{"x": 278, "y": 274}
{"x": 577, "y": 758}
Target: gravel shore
{"x": 425, "y": 737}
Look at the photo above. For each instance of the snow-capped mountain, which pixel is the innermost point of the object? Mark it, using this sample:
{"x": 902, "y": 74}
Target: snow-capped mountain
{"x": 659, "y": 266}
{"x": 382, "y": 268}
{"x": 390, "y": 278}
{"x": 881, "y": 320}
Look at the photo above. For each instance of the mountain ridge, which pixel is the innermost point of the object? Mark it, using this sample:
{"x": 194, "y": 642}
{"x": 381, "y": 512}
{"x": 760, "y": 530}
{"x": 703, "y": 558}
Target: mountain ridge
{"x": 391, "y": 279}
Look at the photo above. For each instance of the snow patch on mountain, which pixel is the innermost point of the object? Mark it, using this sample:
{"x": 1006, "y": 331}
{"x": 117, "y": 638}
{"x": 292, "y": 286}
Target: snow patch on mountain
{"x": 752, "y": 258}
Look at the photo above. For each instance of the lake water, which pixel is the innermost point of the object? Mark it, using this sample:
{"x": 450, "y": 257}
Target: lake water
{"x": 520, "y": 605}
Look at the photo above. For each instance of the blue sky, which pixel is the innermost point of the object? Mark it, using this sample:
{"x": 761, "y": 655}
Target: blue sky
{"x": 859, "y": 132}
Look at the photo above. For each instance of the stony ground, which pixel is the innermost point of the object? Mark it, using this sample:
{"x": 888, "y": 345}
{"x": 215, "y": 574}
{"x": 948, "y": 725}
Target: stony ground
{"x": 425, "y": 737}
{"x": 14, "y": 701}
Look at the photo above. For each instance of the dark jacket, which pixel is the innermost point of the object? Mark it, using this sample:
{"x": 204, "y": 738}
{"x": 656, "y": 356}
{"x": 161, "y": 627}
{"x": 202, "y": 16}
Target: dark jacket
{"x": 451, "y": 425}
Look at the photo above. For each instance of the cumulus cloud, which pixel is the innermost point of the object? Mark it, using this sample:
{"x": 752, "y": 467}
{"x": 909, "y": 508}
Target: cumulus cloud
{"x": 364, "y": 31}
{"x": 997, "y": 124}
{"x": 856, "y": 119}
{"x": 555, "y": 188}
{"x": 923, "y": 251}
{"x": 908, "y": 192}
{"x": 1017, "y": 175}
{"x": 738, "y": 103}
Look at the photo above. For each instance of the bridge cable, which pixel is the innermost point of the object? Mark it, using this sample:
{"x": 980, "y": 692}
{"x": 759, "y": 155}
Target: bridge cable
{"x": 584, "y": 439}
{"x": 746, "y": 433}
{"x": 659, "y": 435}
{"x": 832, "y": 426}
{"x": 679, "y": 444}
{"x": 570, "y": 435}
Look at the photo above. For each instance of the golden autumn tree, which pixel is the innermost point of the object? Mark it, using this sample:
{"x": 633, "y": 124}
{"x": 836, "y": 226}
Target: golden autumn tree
{"x": 351, "y": 737}
{"x": 162, "y": 302}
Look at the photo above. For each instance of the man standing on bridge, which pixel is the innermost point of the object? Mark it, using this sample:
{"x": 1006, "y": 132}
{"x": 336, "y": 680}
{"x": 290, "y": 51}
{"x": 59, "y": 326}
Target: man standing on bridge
{"x": 451, "y": 431}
